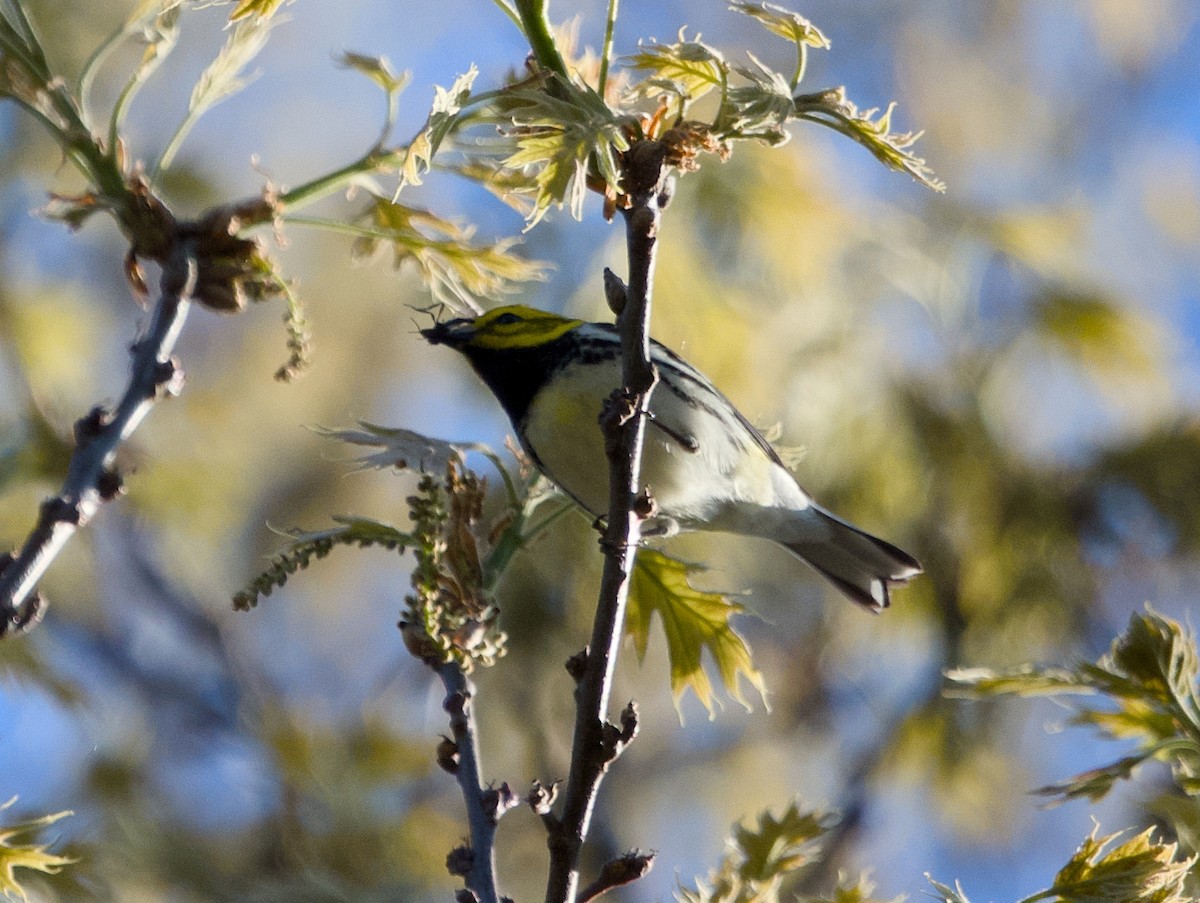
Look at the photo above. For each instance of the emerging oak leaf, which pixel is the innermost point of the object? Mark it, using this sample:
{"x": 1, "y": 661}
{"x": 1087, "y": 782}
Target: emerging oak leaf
{"x": 688, "y": 69}
{"x": 693, "y": 621}
{"x": 400, "y": 448}
{"x": 1137, "y": 871}
{"x": 760, "y": 856}
{"x": 457, "y": 270}
{"x": 1149, "y": 683}
{"x": 26, "y": 856}
{"x": 785, "y": 23}
{"x": 260, "y": 9}
{"x": 870, "y": 129}
{"x": 377, "y": 69}
{"x": 447, "y": 104}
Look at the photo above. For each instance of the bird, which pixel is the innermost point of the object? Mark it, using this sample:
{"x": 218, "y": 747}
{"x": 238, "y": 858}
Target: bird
{"x": 705, "y": 465}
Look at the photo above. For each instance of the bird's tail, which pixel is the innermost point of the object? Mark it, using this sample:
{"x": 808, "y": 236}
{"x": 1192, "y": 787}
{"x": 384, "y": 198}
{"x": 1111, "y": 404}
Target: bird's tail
{"x": 860, "y": 565}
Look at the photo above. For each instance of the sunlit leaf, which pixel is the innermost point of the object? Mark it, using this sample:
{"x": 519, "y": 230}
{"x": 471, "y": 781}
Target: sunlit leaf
{"x": 400, "y": 448}
{"x": 560, "y": 141}
{"x": 457, "y": 271}
{"x": 447, "y": 103}
{"x": 1148, "y": 682}
{"x": 1108, "y": 338}
{"x": 260, "y": 9}
{"x": 760, "y": 108}
{"x": 1093, "y": 784}
{"x": 225, "y": 75}
{"x": 859, "y": 891}
{"x": 1137, "y": 871}
{"x": 693, "y": 621}
{"x": 32, "y": 856}
{"x": 784, "y": 23}
{"x": 222, "y": 78}
{"x": 871, "y": 130}
{"x": 1026, "y": 681}
{"x": 760, "y": 856}
{"x": 509, "y": 185}
{"x": 947, "y": 894}
{"x": 1160, "y": 654}
{"x": 777, "y": 846}
{"x": 377, "y": 69}
{"x": 689, "y": 69}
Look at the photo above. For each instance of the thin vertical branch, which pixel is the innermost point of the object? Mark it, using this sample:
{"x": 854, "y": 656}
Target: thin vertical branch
{"x": 606, "y": 52}
{"x": 536, "y": 24}
{"x": 90, "y": 479}
{"x": 485, "y": 805}
{"x": 598, "y": 742}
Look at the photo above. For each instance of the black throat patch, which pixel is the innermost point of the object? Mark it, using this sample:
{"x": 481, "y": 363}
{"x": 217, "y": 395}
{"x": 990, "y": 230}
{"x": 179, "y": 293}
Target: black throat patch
{"x": 516, "y": 375}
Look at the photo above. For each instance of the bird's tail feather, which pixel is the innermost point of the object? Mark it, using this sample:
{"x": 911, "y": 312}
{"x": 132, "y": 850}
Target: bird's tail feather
{"x": 862, "y": 566}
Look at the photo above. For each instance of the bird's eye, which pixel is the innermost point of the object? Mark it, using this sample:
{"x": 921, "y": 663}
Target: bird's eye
{"x": 507, "y": 319}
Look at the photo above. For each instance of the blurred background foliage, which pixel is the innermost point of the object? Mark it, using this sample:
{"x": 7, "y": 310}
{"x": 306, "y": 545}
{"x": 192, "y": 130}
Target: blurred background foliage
{"x": 1001, "y": 379}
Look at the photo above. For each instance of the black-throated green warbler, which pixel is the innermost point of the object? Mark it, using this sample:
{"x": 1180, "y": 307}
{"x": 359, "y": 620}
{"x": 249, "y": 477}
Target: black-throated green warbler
{"x": 705, "y": 465}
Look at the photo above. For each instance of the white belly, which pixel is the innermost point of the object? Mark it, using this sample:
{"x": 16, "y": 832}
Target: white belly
{"x": 565, "y": 435}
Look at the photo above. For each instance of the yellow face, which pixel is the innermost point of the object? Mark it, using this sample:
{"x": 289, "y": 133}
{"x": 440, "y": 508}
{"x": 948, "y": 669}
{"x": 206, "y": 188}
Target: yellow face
{"x": 516, "y": 326}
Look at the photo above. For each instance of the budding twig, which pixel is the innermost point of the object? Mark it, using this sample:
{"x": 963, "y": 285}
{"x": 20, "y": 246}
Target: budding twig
{"x": 485, "y": 805}
{"x": 597, "y": 742}
{"x": 90, "y": 478}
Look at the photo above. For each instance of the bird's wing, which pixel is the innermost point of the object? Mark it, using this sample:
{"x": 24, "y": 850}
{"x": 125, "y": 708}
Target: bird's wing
{"x": 698, "y": 389}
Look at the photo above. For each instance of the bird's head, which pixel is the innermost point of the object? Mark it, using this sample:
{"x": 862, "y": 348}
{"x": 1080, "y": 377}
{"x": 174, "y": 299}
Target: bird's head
{"x": 503, "y": 328}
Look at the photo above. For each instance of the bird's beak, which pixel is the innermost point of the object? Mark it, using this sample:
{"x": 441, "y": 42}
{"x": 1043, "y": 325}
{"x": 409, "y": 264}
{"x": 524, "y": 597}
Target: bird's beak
{"x": 454, "y": 333}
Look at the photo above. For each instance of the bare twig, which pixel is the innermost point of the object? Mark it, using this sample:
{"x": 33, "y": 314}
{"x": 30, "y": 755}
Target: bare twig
{"x": 485, "y": 805}
{"x": 617, "y": 873}
{"x": 597, "y": 742}
{"x": 90, "y": 478}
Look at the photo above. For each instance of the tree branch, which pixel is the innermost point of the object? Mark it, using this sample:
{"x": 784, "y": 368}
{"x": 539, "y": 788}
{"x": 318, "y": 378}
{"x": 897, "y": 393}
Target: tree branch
{"x": 617, "y": 873}
{"x": 597, "y": 742}
{"x": 485, "y": 805}
{"x": 90, "y": 478}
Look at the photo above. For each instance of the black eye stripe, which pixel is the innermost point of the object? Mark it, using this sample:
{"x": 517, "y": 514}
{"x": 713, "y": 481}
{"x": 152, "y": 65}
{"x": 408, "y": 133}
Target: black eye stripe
{"x": 507, "y": 319}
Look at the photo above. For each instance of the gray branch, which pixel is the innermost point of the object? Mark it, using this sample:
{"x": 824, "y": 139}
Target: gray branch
{"x": 90, "y": 478}
{"x": 598, "y": 742}
{"x": 485, "y": 805}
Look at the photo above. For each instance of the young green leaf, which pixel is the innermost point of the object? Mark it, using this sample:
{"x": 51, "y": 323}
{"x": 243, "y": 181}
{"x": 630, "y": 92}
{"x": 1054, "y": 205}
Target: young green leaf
{"x": 860, "y": 891}
{"x": 792, "y": 26}
{"x": 760, "y": 108}
{"x": 32, "y": 856}
{"x": 693, "y": 621}
{"x": 457, "y": 271}
{"x": 778, "y": 846}
{"x": 223, "y": 78}
{"x": 260, "y": 9}
{"x": 761, "y": 856}
{"x": 687, "y": 69}
{"x": 377, "y": 69}
{"x": 400, "y": 448}
{"x": 1137, "y": 871}
{"x": 947, "y": 894}
{"x": 1106, "y": 336}
{"x": 561, "y": 142}
{"x": 447, "y": 104}
{"x": 1149, "y": 681}
{"x": 893, "y": 149}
